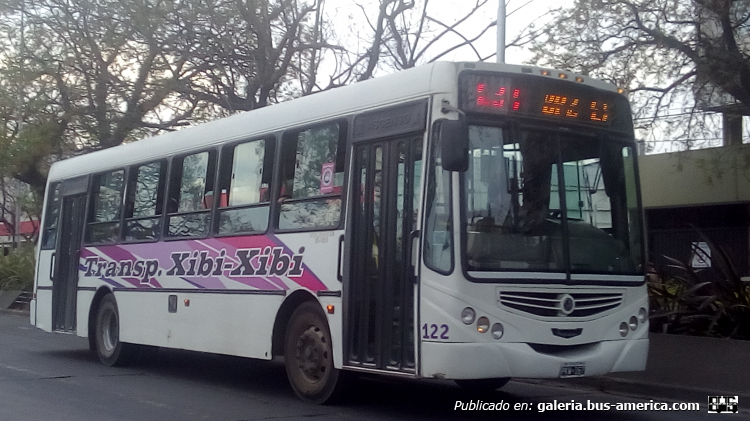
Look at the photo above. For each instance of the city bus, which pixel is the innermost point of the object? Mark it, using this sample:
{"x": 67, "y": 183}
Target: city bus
{"x": 464, "y": 221}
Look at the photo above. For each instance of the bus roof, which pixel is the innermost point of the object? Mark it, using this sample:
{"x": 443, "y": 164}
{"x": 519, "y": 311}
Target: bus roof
{"x": 381, "y": 91}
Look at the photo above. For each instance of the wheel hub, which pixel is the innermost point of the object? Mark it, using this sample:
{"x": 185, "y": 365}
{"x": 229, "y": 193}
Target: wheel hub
{"x": 110, "y": 334}
{"x": 312, "y": 354}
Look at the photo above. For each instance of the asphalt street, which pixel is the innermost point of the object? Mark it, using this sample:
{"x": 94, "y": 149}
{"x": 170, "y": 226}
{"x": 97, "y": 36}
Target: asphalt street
{"x": 54, "y": 377}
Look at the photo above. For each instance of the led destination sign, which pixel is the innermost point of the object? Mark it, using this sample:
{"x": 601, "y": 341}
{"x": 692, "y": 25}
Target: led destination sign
{"x": 546, "y": 98}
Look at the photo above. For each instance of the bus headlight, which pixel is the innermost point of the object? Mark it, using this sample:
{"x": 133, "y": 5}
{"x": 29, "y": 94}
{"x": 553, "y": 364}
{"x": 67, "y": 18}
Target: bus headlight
{"x": 483, "y": 324}
{"x": 633, "y": 322}
{"x": 468, "y": 315}
{"x": 642, "y": 315}
{"x": 497, "y": 331}
{"x": 623, "y": 329}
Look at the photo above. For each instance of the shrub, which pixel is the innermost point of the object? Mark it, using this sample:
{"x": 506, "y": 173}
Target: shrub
{"x": 694, "y": 302}
{"x": 17, "y": 269}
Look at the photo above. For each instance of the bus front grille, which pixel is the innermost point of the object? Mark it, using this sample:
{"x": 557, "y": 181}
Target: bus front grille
{"x": 550, "y": 304}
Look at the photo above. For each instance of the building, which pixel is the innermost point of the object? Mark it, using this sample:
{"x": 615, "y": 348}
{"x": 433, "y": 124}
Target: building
{"x": 708, "y": 189}
{"x": 27, "y": 230}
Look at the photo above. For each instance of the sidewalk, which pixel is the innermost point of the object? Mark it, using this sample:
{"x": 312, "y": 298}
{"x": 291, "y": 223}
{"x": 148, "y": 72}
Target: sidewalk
{"x": 685, "y": 368}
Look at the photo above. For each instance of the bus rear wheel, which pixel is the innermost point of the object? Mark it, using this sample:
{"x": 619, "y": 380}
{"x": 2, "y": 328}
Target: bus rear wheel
{"x": 482, "y": 385}
{"x": 308, "y": 356}
{"x": 110, "y": 350}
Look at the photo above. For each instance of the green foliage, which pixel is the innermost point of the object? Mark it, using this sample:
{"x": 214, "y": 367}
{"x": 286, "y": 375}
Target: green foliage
{"x": 694, "y": 304}
{"x": 17, "y": 269}
{"x": 671, "y": 55}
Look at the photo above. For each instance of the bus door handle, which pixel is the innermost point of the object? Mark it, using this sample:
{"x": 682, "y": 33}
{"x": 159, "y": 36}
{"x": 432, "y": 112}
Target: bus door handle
{"x": 52, "y": 266}
{"x": 339, "y": 272}
{"x": 413, "y": 255}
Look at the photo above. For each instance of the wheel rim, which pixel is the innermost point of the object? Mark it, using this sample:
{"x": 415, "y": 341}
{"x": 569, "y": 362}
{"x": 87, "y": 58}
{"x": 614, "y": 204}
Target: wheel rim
{"x": 313, "y": 354}
{"x": 110, "y": 332}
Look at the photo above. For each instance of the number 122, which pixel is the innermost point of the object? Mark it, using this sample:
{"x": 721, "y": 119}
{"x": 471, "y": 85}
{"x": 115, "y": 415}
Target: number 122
{"x": 431, "y": 331}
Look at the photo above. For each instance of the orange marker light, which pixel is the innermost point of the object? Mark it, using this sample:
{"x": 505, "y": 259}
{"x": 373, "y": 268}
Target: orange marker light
{"x": 187, "y": 302}
{"x": 330, "y": 309}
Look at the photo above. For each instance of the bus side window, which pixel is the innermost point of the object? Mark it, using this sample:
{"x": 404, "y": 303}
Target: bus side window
{"x": 312, "y": 174}
{"x": 106, "y": 202}
{"x": 244, "y": 180}
{"x": 51, "y": 217}
{"x": 191, "y": 195}
{"x": 145, "y": 195}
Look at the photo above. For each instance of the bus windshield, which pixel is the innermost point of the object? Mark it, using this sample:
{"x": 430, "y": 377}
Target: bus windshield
{"x": 550, "y": 202}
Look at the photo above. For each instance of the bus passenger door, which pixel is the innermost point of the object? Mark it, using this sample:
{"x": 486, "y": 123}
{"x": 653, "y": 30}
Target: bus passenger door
{"x": 380, "y": 312}
{"x": 65, "y": 281}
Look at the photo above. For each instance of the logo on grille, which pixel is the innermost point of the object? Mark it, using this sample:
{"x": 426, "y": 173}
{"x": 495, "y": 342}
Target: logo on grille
{"x": 567, "y": 304}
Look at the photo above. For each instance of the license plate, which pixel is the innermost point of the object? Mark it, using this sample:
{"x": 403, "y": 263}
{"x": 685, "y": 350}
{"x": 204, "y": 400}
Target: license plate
{"x": 572, "y": 370}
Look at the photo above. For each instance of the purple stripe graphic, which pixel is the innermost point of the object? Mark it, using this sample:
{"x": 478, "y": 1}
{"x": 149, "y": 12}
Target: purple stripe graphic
{"x": 197, "y": 256}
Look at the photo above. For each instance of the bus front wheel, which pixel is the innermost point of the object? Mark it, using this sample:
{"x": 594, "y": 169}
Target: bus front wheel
{"x": 110, "y": 350}
{"x": 308, "y": 355}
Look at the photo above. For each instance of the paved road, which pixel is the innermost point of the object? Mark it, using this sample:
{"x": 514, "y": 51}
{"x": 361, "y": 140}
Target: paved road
{"x": 55, "y": 378}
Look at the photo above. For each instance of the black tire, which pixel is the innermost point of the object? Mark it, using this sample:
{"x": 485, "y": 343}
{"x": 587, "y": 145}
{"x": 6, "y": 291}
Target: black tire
{"x": 110, "y": 350}
{"x": 482, "y": 385}
{"x": 308, "y": 356}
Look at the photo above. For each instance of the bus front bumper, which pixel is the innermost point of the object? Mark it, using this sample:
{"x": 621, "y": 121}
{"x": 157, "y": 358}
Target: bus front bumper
{"x": 495, "y": 360}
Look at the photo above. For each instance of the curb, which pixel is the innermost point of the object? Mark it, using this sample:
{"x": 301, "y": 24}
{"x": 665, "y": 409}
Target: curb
{"x": 642, "y": 389}
{"x": 17, "y": 313}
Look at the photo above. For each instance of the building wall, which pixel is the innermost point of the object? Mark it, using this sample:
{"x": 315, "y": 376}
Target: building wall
{"x": 708, "y": 189}
{"x": 700, "y": 177}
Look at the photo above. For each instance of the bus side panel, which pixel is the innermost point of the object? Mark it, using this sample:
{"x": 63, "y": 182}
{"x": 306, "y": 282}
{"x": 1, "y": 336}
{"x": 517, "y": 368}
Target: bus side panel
{"x": 335, "y": 323}
{"x": 43, "y": 308}
{"x": 219, "y": 323}
{"x": 42, "y": 314}
{"x": 323, "y": 260}
{"x": 218, "y": 295}
{"x": 83, "y": 306}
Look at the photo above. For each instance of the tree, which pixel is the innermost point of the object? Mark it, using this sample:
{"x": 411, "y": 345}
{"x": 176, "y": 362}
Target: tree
{"x": 400, "y": 34}
{"x": 82, "y": 75}
{"x": 89, "y": 75}
{"x": 670, "y": 53}
{"x": 251, "y": 53}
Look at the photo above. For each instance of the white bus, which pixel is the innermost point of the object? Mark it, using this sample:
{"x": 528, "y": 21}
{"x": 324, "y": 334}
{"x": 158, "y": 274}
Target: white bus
{"x": 465, "y": 221}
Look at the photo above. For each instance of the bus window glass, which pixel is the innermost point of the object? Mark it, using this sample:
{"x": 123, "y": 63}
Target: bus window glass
{"x": 245, "y": 177}
{"x": 521, "y": 189}
{"x": 191, "y": 196}
{"x": 106, "y": 201}
{"x": 143, "y": 206}
{"x": 438, "y": 254}
{"x": 312, "y": 180}
{"x": 51, "y": 217}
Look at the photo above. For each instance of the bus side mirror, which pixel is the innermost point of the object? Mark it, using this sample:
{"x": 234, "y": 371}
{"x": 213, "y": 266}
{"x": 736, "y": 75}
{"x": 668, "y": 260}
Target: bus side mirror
{"x": 454, "y": 145}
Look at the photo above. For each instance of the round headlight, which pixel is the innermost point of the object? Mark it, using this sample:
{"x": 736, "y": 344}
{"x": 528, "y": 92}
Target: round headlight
{"x": 623, "y": 329}
{"x": 468, "y": 315}
{"x": 497, "y": 331}
{"x": 642, "y": 315}
{"x": 633, "y": 322}
{"x": 483, "y": 324}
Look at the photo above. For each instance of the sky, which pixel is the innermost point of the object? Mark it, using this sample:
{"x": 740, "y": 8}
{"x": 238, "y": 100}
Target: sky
{"x": 521, "y": 14}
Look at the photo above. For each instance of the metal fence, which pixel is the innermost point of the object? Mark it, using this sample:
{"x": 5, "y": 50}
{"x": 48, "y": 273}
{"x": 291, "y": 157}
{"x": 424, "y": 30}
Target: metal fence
{"x": 685, "y": 246}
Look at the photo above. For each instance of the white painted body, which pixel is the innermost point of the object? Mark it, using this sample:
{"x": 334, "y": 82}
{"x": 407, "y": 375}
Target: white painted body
{"x": 241, "y": 322}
